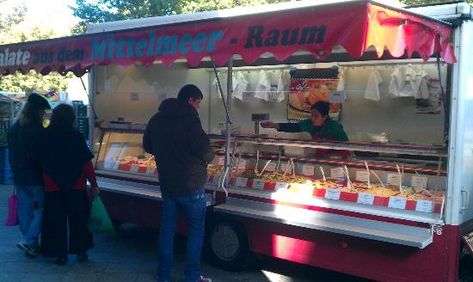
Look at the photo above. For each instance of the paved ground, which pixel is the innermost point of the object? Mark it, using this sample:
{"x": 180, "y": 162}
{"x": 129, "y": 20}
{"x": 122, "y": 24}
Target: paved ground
{"x": 131, "y": 256}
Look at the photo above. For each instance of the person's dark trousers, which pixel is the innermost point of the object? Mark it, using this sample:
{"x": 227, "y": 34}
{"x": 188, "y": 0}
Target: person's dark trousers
{"x": 193, "y": 207}
{"x": 63, "y": 212}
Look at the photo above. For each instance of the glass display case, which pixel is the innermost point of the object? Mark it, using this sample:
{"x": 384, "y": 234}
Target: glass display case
{"x": 402, "y": 181}
{"x": 121, "y": 151}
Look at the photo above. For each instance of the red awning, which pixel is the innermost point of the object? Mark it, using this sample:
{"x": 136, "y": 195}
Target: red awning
{"x": 354, "y": 25}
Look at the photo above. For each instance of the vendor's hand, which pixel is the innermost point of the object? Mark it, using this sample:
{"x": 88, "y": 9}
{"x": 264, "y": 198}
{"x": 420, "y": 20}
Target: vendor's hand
{"x": 269, "y": 124}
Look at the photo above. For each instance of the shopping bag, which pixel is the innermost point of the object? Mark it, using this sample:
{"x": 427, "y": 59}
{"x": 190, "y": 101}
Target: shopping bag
{"x": 12, "y": 213}
{"x": 99, "y": 221}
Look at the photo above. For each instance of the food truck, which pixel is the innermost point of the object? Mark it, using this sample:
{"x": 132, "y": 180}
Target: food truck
{"x": 395, "y": 206}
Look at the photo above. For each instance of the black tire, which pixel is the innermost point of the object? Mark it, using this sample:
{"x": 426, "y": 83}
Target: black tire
{"x": 227, "y": 245}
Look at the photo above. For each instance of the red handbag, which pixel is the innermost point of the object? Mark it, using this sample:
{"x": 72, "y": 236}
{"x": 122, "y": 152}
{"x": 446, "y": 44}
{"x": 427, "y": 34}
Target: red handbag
{"x": 12, "y": 215}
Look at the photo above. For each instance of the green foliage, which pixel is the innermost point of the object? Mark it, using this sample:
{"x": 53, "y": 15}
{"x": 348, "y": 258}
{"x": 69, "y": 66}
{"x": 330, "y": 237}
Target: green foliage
{"x": 11, "y": 34}
{"x": 419, "y": 2}
{"x": 113, "y": 10}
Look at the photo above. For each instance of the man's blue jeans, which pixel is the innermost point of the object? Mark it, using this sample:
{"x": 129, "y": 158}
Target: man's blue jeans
{"x": 30, "y": 212}
{"x": 193, "y": 206}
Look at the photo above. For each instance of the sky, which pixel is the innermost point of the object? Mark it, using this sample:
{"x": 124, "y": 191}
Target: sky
{"x": 51, "y": 14}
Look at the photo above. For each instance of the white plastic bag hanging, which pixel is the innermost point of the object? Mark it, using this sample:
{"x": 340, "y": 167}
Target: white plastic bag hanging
{"x": 283, "y": 81}
{"x": 240, "y": 84}
{"x": 372, "y": 86}
{"x": 263, "y": 86}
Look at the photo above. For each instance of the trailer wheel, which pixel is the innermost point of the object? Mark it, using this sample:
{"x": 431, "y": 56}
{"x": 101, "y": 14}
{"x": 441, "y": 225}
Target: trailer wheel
{"x": 227, "y": 246}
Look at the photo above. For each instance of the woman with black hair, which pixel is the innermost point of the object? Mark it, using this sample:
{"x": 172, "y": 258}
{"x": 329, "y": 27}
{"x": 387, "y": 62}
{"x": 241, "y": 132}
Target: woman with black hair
{"x": 27, "y": 177}
{"x": 320, "y": 126}
{"x": 66, "y": 162}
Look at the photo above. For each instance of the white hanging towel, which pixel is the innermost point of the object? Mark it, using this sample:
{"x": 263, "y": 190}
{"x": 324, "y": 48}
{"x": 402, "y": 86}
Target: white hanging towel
{"x": 372, "y": 86}
{"x": 263, "y": 86}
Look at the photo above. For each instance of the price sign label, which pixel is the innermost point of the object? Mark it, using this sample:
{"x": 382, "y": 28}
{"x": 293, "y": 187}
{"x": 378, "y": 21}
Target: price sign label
{"x": 258, "y": 184}
{"x": 271, "y": 167}
{"x": 362, "y": 175}
{"x": 393, "y": 179}
{"x": 365, "y": 198}
{"x": 241, "y": 182}
{"x": 419, "y": 182}
{"x": 150, "y": 170}
{"x": 221, "y": 161}
{"x": 308, "y": 170}
{"x": 242, "y": 164}
{"x": 397, "y": 202}
{"x": 281, "y": 185}
{"x": 337, "y": 172}
{"x": 332, "y": 194}
{"x": 424, "y": 206}
{"x": 134, "y": 168}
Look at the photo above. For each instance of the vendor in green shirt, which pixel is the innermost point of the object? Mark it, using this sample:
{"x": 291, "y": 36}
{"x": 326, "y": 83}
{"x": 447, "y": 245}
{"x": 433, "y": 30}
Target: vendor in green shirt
{"x": 320, "y": 126}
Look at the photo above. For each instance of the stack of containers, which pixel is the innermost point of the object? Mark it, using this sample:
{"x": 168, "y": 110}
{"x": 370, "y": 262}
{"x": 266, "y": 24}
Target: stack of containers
{"x": 6, "y": 174}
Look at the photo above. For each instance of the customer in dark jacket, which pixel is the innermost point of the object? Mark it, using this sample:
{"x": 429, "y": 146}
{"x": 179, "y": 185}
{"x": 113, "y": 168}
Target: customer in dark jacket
{"x": 66, "y": 162}
{"x": 182, "y": 151}
{"x": 27, "y": 177}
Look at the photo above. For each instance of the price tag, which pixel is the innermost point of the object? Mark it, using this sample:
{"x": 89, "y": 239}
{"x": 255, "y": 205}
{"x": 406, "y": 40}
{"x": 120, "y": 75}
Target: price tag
{"x": 337, "y": 172}
{"x": 308, "y": 170}
{"x": 241, "y": 182}
{"x": 365, "y": 198}
{"x": 271, "y": 167}
{"x": 419, "y": 182}
{"x": 424, "y": 206}
{"x": 362, "y": 175}
{"x": 134, "y": 168}
{"x": 281, "y": 185}
{"x": 258, "y": 184}
{"x": 397, "y": 202}
{"x": 393, "y": 179}
{"x": 242, "y": 164}
{"x": 150, "y": 170}
{"x": 221, "y": 161}
{"x": 332, "y": 194}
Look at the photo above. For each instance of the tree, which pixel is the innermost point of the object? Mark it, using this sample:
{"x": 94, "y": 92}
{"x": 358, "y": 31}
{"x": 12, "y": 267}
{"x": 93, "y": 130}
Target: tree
{"x": 113, "y": 10}
{"x": 31, "y": 81}
{"x": 418, "y": 2}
